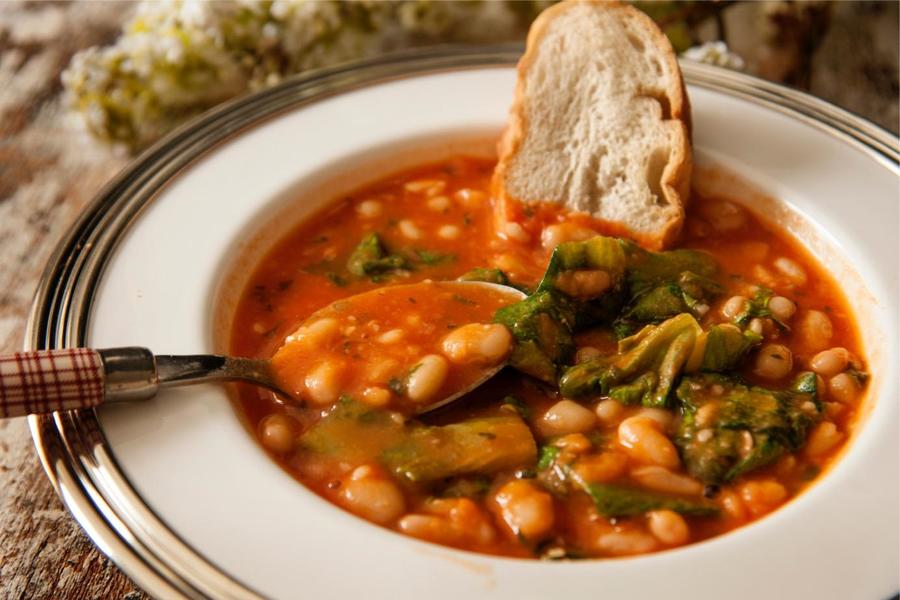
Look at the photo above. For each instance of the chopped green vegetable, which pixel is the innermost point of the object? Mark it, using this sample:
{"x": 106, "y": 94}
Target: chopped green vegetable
{"x": 648, "y": 363}
{"x": 661, "y": 285}
{"x": 353, "y": 432}
{"x": 542, "y": 327}
{"x": 859, "y": 376}
{"x": 599, "y": 253}
{"x": 548, "y": 455}
{"x": 516, "y": 405}
{"x": 482, "y": 446}
{"x": 726, "y": 346}
{"x": 748, "y": 426}
{"x": 336, "y": 279}
{"x": 466, "y": 487}
{"x": 621, "y": 501}
{"x": 660, "y": 349}
{"x": 758, "y": 307}
{"x": 430, "y": 257}
{"x": 370, "y": 258}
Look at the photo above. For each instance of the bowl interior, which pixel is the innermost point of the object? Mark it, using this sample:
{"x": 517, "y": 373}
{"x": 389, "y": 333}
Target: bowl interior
{"x": 172, "y": 281}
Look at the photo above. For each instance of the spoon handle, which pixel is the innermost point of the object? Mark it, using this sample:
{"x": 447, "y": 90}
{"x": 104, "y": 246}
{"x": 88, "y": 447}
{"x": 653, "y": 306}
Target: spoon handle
{"x": 51, "y": 380}
{"x": 45, "y": 381}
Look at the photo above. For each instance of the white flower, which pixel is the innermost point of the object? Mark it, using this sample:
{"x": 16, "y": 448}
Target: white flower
{"x": 715, "y": 53}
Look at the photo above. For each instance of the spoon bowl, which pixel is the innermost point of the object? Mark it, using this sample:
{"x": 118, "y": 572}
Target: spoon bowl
{"x": 50, "y": 380}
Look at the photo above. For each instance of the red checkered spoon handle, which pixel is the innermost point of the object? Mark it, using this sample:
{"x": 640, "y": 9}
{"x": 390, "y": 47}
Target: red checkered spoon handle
{"x": 46, "y": 381}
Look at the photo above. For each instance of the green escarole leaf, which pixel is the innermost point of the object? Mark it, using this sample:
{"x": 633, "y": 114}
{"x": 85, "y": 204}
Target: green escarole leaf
{"x": 661, "y": 285}
{"x": 648, "y": 363}
{"x": 353, "y": 432}
{"x": 750, "y": 426}
{"x": 542, "y": 327}
{"x": 484, "y": 446}
{"x": 589, "y": 274}
{"x": 599, "y": 253}
{"x": 758, "y": 307}
{"x": 725, "y": 346}
{"x": 620, "y": 501}
{"x": 370, "y": 258}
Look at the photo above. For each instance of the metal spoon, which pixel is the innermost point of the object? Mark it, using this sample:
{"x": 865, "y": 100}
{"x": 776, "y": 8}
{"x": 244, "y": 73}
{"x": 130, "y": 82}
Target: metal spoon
{"x": 46, "y": 381}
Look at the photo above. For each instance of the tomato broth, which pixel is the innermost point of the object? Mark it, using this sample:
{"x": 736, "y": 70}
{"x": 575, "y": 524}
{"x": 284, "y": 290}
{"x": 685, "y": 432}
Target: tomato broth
{"x": 652, "y": 399}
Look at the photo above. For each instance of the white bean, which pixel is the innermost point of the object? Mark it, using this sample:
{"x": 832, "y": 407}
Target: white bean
{"x": 669, "y": 527}
{"x": 375, "y": 499}
{"x": 642, "y": 438}
{"x": 438, "y": 203}
{"x": 756, "y": 325}
{"x": 762, "y": 496}
{"x": 318, "y": 333}
{"x": 791, "y": 270}
{"x": 470, "y": 198}
{"x": 409, "y": 229}
{"x": 623, "y": 543}
{"x": 323, "y": 383}
{"x": 431, "y": 187}
{"x": 609, "y": 411}
{"x": 583, "y": 284}
{"x": 829, "y": 363}
{"x": 843, "y": 388}
{"x": 815, "y": 329}
{"x": 663, "y": 417}
{"x": 391, "y": 336}
{"x": 782, "y": 308}
{"x": 664, "y": 480}
{"x": 774, "y": 361}
{"x": 554, "y": 235}
{"x": 426, "y": 378}
{"x": 603, "y": 467}
{"x": 823, "y": 438}
{"x": 734, "y": 306}
{"x": 369, "y": 209}
{"x": 449, "y": 232}
{"x": 567, "y": 416}
{"x": 586, "y": 353}
{"x": 515, "y": 231}
{"x": 527, "y": 510}
{"x": 485, "y": 344}
{"x": 376, "y": 396}
{"x": 276, "y": 432}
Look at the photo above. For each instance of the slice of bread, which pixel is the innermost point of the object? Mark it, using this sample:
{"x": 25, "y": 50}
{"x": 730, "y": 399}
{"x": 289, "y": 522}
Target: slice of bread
{"x": 600, "y": 122}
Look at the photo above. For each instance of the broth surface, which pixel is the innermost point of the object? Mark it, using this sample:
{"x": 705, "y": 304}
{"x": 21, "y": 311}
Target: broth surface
{"x": 544, "y": 498}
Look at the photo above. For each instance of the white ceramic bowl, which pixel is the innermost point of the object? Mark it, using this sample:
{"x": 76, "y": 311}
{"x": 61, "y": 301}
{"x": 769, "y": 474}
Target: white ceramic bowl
{"x": 180, "y": 496}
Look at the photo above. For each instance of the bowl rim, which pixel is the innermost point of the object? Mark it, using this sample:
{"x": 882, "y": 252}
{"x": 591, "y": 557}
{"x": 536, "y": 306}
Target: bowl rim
{"x": 72, "y": 446}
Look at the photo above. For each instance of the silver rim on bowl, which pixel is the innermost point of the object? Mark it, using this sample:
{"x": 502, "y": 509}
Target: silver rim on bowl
{"x": 72, "y": 446}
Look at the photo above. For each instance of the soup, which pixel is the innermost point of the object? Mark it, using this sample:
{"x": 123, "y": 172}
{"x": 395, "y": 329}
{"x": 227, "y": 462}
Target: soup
{"x": 651, "y": 400}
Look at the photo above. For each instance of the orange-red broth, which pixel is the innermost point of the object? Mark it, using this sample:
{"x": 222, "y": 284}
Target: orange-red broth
{"x": 444, "y": 209}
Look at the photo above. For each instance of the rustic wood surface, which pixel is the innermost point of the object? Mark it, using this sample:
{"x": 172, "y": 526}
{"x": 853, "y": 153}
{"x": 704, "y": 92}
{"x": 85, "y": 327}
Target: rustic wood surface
{"x": 49, "y": 170}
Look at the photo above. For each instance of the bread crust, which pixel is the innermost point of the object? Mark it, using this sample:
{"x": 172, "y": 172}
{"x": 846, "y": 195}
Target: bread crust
{"x": 675, "y": 179}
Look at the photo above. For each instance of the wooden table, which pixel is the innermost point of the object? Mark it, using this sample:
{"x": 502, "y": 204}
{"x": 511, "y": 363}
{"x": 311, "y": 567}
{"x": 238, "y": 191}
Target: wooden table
{"x": 49, "y": 171}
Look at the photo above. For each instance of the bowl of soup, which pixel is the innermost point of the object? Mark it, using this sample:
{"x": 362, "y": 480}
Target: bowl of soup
{"x": 725, "y": 407}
